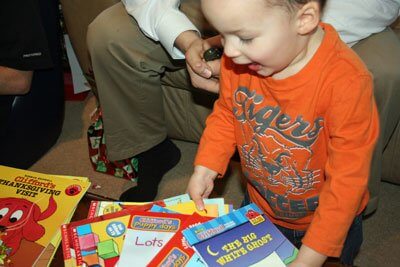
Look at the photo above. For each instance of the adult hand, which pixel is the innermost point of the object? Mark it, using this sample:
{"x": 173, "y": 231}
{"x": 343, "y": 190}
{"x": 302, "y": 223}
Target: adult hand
{"x": 201, "y": 185}
{"x": 203, "y": 75}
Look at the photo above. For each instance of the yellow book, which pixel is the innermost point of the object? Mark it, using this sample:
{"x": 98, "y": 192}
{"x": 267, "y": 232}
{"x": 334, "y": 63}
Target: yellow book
{"x": 47, "y": 255}
{"x": 32, "y": 207}
{"x": 189, "y": 208}
{"x": 99, "y": 207}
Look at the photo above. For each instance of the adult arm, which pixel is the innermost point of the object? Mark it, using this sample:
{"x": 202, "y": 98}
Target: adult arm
{"x": 162, "y": 21}
{"x": 23, "y": 46}
{"x": 14, "y": 82}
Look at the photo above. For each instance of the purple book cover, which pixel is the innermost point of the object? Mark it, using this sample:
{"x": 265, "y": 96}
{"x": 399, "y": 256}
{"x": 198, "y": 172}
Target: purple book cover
{"x": 241, "y": 238}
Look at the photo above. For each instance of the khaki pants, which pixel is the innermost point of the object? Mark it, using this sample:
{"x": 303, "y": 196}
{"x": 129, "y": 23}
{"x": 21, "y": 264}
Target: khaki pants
{"x": 129, "y": 69}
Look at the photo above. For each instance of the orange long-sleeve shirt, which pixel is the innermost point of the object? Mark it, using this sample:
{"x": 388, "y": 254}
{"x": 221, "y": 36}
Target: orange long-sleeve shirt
{"x": 305, "y": 142}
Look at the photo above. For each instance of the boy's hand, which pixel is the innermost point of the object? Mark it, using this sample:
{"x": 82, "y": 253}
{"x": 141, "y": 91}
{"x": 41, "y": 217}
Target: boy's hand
{"x": 201, "y": 185}
{"x": 308, "y": 257}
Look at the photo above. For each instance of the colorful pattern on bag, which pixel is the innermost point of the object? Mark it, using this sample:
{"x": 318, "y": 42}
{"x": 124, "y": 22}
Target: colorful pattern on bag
{"x": 126, "y": 168}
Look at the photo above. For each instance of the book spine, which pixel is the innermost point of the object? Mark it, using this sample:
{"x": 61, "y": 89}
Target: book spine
{"x": 66, "y": 246}
{"x": 77, "y": 247}
{"x": 93, "y": 209}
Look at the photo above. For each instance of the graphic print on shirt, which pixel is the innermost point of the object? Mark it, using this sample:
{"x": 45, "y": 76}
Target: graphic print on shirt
{"x": 277, "y": 148}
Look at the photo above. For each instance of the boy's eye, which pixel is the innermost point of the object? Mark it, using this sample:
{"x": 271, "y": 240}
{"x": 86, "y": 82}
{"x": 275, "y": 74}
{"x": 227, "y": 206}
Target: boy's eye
{"x": 246, "y": 40}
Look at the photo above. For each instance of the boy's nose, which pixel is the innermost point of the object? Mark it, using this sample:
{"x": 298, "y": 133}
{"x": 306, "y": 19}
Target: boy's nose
{"x": 230, "y": 50}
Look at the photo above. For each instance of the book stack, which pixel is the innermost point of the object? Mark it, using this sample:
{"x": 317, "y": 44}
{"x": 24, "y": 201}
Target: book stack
{"x": 171, "y": 232}
{"x": 33, "y": 206}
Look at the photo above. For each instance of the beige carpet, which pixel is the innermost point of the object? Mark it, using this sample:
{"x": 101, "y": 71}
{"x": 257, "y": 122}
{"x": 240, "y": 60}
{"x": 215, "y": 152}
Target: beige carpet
{"x": 70, "y": 157}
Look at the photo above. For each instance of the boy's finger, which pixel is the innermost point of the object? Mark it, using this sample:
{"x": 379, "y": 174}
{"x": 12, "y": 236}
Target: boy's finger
{"x": 199, "y": 203}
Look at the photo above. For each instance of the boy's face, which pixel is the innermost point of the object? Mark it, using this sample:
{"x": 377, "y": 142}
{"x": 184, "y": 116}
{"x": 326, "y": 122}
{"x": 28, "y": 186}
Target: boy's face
{"x": 254, "y": 33}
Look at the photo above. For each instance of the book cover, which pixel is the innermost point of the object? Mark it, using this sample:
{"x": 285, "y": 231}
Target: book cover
{"x": 47, "y": 255}
{"x": 95, "y": 241}
{"x": 220, "y": 202}
{"x": 245, "y": 237}
{"x": 98, "y": 208}
{"x": 177, "y": 251}
{"x": 214, "y": 207}
{"x": 157, "y": 208}
{"x": 32, "y": 208}
{"x": 189, "y": 208}
{"x": 147, "y": 234}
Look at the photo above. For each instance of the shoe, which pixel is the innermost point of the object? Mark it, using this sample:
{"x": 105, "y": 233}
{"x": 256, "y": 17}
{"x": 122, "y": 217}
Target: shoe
{"x": 152, "y": 165}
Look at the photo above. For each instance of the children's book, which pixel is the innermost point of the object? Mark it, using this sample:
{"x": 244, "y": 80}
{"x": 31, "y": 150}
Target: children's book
{"x": 245, "y": 237}
{"x": 32, "y": 207}
{"x": 214, "y": 207}
{"x": 189, "y": 208}
{"x": 222, "y": 207}
{"x": 99, "y": 241}
{"x": 157, "y": 208}
{"x": 44, "y": 260}
{"x": 98, "y": 208}
{"x": 180, "y": 204}
{"x": 96, "y": 241}
{"x": 147, "y": 234}
{"x": 177, "y": 252}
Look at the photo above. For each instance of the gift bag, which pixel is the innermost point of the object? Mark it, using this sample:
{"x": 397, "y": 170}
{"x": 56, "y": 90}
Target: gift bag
{"x": 126, "y": 168}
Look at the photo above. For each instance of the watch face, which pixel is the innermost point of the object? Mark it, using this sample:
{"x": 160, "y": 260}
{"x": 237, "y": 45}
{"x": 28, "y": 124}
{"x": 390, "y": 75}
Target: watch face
{"x": 212, "y": 53}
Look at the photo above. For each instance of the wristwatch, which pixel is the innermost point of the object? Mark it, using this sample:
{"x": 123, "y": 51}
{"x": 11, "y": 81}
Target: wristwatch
{"x": 212, "y": 53}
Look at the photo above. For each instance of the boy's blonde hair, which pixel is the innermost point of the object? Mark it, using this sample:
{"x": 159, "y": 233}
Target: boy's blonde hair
{"x": 302, "y": 2}
{"x": 292, "y": 4}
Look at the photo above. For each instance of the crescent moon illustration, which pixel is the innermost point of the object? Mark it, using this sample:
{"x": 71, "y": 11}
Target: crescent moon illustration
{"x": 212, "y": 253}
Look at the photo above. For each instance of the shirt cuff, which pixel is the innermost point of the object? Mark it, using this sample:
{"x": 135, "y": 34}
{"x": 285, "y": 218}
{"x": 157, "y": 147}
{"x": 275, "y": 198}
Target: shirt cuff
{"x": 171, "y": 25}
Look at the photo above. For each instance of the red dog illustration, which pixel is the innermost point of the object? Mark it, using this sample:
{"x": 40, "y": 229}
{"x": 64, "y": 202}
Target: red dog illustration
{"x": 19, "y": 219}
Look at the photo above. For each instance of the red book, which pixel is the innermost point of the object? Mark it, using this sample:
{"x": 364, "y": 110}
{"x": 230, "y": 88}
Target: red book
{"x": 99, "y": 241}
{"x": 177, "y": 251}
{"x": 147, "y": 234}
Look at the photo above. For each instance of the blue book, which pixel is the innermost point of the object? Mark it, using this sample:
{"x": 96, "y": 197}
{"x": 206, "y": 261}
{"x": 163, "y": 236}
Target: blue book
{"x": 245, "y": 237}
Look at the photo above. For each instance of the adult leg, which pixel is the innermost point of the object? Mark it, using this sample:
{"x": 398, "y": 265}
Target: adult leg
{"x": 128, "y": 67}
{"x": 185, "y": 107}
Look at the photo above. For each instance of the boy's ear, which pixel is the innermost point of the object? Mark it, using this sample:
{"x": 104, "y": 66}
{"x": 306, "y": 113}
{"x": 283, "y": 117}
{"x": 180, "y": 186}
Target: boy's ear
{"x": 308, "y": 17}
